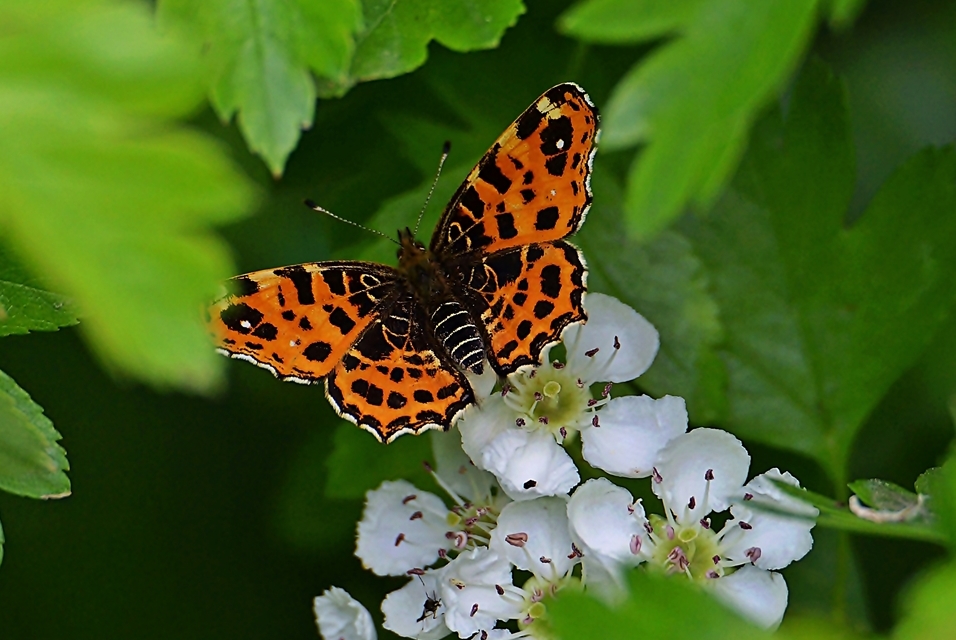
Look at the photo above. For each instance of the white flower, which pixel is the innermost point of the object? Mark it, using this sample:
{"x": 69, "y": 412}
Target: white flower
{"x": 477, "y": 589}
{"x": 340, "y": 617}
{"x": 609, "y": 530}
{"x": 758, "y": 595}
{"x": 402, "y": 607}
{"x": 516, "y": 434}
{"x": 403, "y": 528}
{"x": 533, "y": 535}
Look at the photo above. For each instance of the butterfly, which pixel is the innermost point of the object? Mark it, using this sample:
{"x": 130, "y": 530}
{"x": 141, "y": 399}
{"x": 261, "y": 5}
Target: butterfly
{"x": 497, "y": 282}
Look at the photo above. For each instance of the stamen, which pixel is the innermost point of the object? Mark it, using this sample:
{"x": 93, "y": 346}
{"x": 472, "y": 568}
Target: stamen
{"x": 544, "y": 560}
{"x": 692, "y": 503}
{"x": 594, "y": 421}
{"x": 705, "y": 523}
{"x": 516, "y": 539}
{"x": 709, "y": 475}
{"x": 716, "y": 559}
{"x": 416, "y": 516}
{"x": 607, "y": 390}
{"x": 575, "y": 552}
{"x": 591, "y": 352}
{"x": 748, "y": 496}
{"x": 636, "y": 544}
{"x": 442, "y": 553}
{"x": 505, "y": 389}
{"x": 543, "y": 419}
{"x": 530, "y": 484}
{"x": 474, "y": 610}
{"x": 399, "y": 538}
{"x": 408, "y": 499}
{"x": 592, "y": 402}
{"x": 753, "y": 553}
{"x": 415, "y": 572}
{"x": 580, "y": 383}
{"x": 500, "y": 589}
{"x": 670, "y": 532}
{"x": 557, "y": 364}
{"x": 712, "y": 574}
{"x": 655, "y": 474}
{"x": 519, "y": 422}
{"x": 746, "y": 526}
{"x": 563, "y": 432}
{"x": 617, "y": 343}
{"x": 648, "y": 527}
{"x": 538, "y": 397}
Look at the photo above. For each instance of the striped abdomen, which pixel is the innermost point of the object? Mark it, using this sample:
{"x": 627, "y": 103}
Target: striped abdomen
{"x": 459, "y": 335}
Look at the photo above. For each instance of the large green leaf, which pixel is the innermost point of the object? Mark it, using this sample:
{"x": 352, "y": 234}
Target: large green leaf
{"x": 692, "y": 101}
{"x": 31, "y": 462}
{"x": 820, "y": 319}
{"x": 25, "y": 305}
{"x": 928, "y": 608}
{"x": 105, "y": 197}
{"x": 626, "y": 21}
{"x": 262, "y": 55}
{"x": 397, "y": 34}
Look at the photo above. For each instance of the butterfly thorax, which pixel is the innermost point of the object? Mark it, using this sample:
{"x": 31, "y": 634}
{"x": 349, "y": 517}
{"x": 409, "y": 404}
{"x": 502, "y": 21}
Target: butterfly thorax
{"x": 451, "y": 322}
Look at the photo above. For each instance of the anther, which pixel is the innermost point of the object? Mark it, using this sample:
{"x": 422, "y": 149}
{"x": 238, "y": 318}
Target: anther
{"x": 635, "y": 544}
{"x": 617, "y": 343}
{"x": 575, "y": 552}
{"x": 692, "y": 503}
{"x": 716, "y": 559}
{"x": 748, "y": 496}
{"x": 505, "y": 389}
{"x": 648, "y": 527}
{"x": 415, "y": 572}
{"x": 538, "y": 396}
{"x": 592, "y": 402}
{"x": 474, "y": 610}
{"x": 590, "y": 352}
{"x": 442, "y": 553}
{"x": 753, "y": 553}
{"x": 399, "y": 538}
{"x": 563, "y": 432}
{"x": 427, "y": 466}
{"x": 580, "y": 383}
{"x": 607, "y": 390}
{"x": 657, "y": 476}
{"x": 594, "y": 421}
{"x": 557, "y": 364}
{"x": 746, "y": 526}
{"x": 712, "y": 574}
{"x": 709, "y": 475}
{"x": 544, "y": 560}
{"x": 543, "y": 419}
{"x": 516, "y": 539}
{"x": 519, "y": 422}
{"x": 670, "y": 532}
{"x": 500, "y": 589}
{"x": 408, "y": 499}
{"x": 530, "y": 484}
{"x": 416, "y": 516}
{"x": 705, "y": 523}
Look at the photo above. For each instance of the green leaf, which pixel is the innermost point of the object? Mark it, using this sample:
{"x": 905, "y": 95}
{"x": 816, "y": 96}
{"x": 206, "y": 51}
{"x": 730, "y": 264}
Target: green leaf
{"x": 397, "y": 33}
{"x": 940, "y": 486}
{"x": 844, "y": 12}
{"x": 692, "y": 102}
{"x": 883, "y": 495}
{"x": 261, "y": 55}
{"x": 928, "y": 607}
{"x": 31, "y": 462}
{"x": 358, "y": 462}
{"x": 626, "y": 21}
{"x": 665, "y": 281}
{"x": 105, "y": 197}
{"x": 25, "y": 305}
{"x": 804, "y": 300}
{"x": 660, "y": 606}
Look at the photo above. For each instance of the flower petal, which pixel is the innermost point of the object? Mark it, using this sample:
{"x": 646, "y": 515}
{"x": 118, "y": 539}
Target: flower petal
{"x": 530, "y": 464}
{"x": 758, "y": 595}
{"x": 402, "y": 607}
{"x": 340, "y": 617}
{"x": 480, "y": 424}
{"x": 688, "y": 460}
{"x": 610, "y": 320}
{"x": 484, "y": 383}
{"x": 604, "y": 519}
{"x": 633, "y": 430}
{"x": 781, "y": 539}
{"x": 457, "y": 471}
{"x": 533, "y": 535}
{"x": 401, "y": 528}
{"x": 470, "y": 589}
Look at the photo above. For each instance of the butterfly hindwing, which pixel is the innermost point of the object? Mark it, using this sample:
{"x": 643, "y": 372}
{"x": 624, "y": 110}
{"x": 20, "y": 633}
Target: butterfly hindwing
{"x": 395, "y": 379}
{"x": 524, "y": 298}
{"x": 299, "y": 321}
{"x": 533, "y": 185}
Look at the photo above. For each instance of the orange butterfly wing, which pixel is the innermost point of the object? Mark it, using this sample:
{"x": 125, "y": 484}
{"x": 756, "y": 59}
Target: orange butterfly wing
{"x": 300, "y": 321}
{"x": 533, "y": 185}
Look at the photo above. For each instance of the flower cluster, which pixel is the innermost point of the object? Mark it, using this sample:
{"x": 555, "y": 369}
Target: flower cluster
{"x": 518, "y": 508}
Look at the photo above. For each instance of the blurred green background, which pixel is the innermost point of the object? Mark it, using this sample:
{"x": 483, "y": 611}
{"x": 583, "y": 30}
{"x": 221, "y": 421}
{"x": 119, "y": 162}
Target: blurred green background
{"x": 207, "y": 516}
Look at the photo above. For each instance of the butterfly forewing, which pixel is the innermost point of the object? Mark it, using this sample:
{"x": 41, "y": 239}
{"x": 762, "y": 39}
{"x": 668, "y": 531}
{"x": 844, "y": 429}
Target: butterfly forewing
{"x": 533, "y": 185}
{"x": 299, "y": 321}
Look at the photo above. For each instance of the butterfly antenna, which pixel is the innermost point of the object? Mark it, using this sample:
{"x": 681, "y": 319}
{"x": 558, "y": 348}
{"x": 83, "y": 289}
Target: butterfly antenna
{"x": 316, "y": 207}
{"x": 444, "y": 156}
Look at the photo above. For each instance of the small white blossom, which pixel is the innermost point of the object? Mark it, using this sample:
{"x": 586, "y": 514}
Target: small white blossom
{"x": 417, "y": 610}
{"x": 517, "y": 434}
{"x": 341, "y": 617}
{"x": 477, "y": 589}
{"x": 533, "y": 535}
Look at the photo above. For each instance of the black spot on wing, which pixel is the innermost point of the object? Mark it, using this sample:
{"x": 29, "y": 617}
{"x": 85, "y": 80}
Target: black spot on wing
{"x": 524, "y": 329}
{"x": 318, "y": 351}
{"x": 557, "y": 136}
{"x": 334, "y": 280}
{"x": 396, "y": 400}
{"x": 506, "y": 226}
{"x": 533, "y": 254}
{"x": 289, "y": 315}
{"x": 489, "y": 172}
{"x": 556, "y": 164}
{"x": 245, "y": 286}
{"x": 266, "y": 331}
{"x": 551, "y": 281}
{"x": 423, "y": 396}
{"x": 235, "y": 315}
{"x": 542, "y": 309}
{"x": 473, "y": 202}
{"x": 528, "y": 122}
{"x": 340, "y": 319}
{"x": 301, "y": 280}
{"x": 305, "y": 324}
{"x": 546, "y": 219}
{"x": 527, "y": 195}
{"x": 528, "y": 177}
{"x": 448, "y": 391}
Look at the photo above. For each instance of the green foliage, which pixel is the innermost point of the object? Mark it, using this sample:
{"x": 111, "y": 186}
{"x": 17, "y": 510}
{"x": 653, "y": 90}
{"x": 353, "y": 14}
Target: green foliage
{"x": 651, "y": 606}
{"x": 25, "y": 305}
{"x": 104, "y": 196}
{"x": 803, "y": 373}
{"x": 928, "y": 607}
{"x": 31, "y": 462}
{"x": 883, "y": 495}
{"x": 359, "y": 463}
